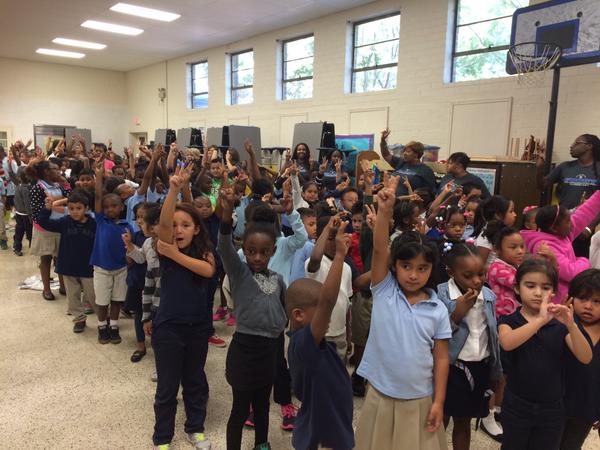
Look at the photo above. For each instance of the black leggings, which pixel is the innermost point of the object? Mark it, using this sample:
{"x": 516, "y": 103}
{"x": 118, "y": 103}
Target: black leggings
{"x": 575, "y": 433}
{"x": 259, "y": 398}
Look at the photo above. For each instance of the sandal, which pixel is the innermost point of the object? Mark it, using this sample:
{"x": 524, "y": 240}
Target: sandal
{"x": 138, "y": 355}
{"x": 48, "y": 295}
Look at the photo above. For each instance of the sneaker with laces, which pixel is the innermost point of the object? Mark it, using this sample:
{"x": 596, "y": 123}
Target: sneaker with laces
{"x": 250, "y": 420}
{"x": 162, "y": 447}
{"x": 199, "y": 440}
{"x": 231, "y": 320}
{"x": 288, "y": 420}
{"x": 220, "y": 314}
{"x": 78, "y": 327}
{"x": 217, "y": 341}
{"x": 88, "y": 309}
{"x": 115, "y": 337}
{"x": 103, "y": 334}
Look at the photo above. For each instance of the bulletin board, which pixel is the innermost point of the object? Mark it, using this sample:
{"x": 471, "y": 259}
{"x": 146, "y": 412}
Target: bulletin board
{"x": 480, "y": 128}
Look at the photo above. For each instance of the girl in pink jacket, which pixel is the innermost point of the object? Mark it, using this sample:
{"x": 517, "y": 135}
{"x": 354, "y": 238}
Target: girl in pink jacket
{"x": 558, "y": 228}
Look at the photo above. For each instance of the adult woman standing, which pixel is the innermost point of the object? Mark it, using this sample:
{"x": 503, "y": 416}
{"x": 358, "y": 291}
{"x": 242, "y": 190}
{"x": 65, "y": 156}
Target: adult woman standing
{"x": 47, "y": 182}
{"x": 409, "y": 166}
{"x": 306, "y": 166}
{"x": 576, "y": 179}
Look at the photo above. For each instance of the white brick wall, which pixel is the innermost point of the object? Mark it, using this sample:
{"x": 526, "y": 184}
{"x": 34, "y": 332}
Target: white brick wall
{"x": 418, "y": 109}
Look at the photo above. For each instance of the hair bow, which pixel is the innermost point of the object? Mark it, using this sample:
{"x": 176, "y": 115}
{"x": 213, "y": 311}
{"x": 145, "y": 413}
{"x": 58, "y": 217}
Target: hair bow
{"x": 447, "y": 247}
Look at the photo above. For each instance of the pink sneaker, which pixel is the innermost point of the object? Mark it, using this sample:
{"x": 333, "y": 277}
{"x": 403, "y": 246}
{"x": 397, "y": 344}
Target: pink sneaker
{"x": 231, "y": 320}
{"x": 221, "y": 314}
{"x": 217, "y": 341}
{"x": 288, "y": 413}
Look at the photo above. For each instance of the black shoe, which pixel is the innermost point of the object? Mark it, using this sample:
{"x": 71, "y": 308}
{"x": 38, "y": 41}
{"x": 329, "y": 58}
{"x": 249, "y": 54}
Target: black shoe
{"x": 79, "y": 327}
{"x": 358, "y": 385}
{"x": 18, "y": 252}
{"x": 138, "y": 355}
{"x": 3, "y": 245}
{"x": 62, "y": 291}
{"x": 115, "y": 338}
{"x": 48, "y": 296}
{"x": 103, "y": 334}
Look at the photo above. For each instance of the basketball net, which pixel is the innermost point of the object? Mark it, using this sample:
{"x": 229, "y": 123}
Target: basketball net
{"x": 532, "y": 60}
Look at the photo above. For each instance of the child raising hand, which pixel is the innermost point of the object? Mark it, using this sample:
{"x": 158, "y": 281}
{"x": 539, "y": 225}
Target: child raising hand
{"x": 407, "y": 350}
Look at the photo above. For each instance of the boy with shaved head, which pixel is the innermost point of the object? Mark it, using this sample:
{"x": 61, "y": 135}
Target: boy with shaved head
{"x": 319, "y": 377}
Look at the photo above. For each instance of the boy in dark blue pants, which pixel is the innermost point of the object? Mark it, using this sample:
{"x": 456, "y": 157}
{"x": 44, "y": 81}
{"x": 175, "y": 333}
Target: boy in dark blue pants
{"x": 319, "y": 378}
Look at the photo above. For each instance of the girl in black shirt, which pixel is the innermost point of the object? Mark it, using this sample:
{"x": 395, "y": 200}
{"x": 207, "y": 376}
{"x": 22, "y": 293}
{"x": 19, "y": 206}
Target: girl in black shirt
{"x": 534, "y": 341}
{"x": 582, "y": 397}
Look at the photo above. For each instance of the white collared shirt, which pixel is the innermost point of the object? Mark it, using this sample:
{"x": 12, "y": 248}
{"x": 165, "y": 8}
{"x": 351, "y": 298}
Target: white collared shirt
{"x": 476, "y": 346}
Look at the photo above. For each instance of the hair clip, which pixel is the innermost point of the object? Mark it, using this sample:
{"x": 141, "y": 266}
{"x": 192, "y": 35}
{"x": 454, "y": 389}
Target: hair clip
{"x": 470, "y": 241}
{"x": 447, "y": 247}
{"x": 442, "y": 207}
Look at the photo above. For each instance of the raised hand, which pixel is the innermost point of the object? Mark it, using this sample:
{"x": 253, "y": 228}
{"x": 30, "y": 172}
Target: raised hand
{"x": 287, "y": 202}
{"x": 248, "y": 147}
{"x": 342, "y": 239}
{"x": 371, "y": 216}
{"x": 323, "y": 166}
{"x": 384, "y": 134}
{"x": 386, "y": 198}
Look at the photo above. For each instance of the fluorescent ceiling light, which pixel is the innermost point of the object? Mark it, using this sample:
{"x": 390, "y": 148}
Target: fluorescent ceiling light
{"x": 64, "y": 54}
{"x": 111, "y": 27}
{"x": 148, "y": 13}
{"x": 76, "y": 43}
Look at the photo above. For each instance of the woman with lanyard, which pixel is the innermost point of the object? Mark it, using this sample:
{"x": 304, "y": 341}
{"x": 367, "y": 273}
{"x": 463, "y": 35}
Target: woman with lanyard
{"x": 409, "y": 166}
{"x": 577, "y": 180}
{"x": 48, "y": 183}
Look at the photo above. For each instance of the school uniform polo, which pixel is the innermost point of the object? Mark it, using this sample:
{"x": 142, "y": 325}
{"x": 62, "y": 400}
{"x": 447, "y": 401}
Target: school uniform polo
{"x": 129, "y": 205}
{"x": 535, "y": 369}
{"x": 109, "y": 249}
{"x": 398, "y": 359}
{"x": 321, "y": 382}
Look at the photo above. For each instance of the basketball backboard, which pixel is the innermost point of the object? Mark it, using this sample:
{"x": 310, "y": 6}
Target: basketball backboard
{"x": 574, "y": 25}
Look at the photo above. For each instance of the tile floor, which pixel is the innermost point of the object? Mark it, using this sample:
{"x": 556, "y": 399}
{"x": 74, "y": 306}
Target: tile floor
{"x": 59, "y": 390}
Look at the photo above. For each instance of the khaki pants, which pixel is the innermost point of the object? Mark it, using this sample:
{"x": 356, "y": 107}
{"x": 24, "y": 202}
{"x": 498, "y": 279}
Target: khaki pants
{"x": 341, "y": 345}
{"x": 75, "y": 287}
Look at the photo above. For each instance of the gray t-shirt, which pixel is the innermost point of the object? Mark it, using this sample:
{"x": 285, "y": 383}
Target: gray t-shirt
{"x": 467, "y": 178}
{"x": 573, "y": 181}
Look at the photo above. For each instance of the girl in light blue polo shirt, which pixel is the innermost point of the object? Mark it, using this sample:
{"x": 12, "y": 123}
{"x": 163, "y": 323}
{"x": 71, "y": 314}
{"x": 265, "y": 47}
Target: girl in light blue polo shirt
{"x": 406, "y": 356}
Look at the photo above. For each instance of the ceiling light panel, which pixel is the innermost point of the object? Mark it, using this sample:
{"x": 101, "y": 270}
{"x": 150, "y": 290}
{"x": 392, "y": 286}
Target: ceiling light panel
{"x": 147, "y": 13}
{"x": 61, "y": 53}
{"x": 76, "y": 43}
{"x": 111, "y": 27}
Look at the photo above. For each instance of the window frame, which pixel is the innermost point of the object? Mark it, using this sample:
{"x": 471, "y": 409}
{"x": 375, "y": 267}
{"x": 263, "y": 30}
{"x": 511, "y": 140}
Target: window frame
{"x": 283, "y": 61}
{"x": 456, "y": 54}
{"x": 363, "y": 69}
{"x": 192, "y": 79}
{"x": 233, "y": 88}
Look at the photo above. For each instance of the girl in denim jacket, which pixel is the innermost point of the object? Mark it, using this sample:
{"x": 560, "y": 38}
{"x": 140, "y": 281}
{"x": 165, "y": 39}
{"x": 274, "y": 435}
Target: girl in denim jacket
{"x": 473, "y": 349}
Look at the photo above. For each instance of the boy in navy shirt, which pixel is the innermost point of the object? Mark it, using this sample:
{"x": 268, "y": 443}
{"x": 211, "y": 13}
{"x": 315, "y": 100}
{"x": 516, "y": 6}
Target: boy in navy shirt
{"x": 77, "y": 231}
{"x": 109, "y": 261}
{"x": 319, "y": 378}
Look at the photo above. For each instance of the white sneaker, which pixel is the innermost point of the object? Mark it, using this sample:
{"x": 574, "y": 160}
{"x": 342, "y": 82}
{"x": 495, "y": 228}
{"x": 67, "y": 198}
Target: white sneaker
{"x": 154, "y": 377}
{"x": 199, "y": 441}
{"x": 492, "y": 428}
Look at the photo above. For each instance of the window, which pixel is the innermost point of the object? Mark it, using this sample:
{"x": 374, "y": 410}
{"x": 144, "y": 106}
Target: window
{"x": 375, "y": 54}
{"x": 199, "y": 89}
{"x": 482, "y": 38}
{"x": 298, "y": 56}
{"x": 242, "y": 77}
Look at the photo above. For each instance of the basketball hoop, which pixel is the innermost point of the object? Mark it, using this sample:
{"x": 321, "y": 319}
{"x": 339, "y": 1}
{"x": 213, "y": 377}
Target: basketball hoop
{"x": 531, "y": 60}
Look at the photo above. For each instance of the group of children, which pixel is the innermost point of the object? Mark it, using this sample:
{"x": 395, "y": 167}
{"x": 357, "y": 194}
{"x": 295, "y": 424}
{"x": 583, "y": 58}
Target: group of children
{"x": 446, "y": 311}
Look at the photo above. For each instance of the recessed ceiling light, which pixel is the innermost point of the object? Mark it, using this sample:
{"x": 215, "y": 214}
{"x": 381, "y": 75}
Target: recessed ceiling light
{"x": 64, "y": 54}
{"x": 148, "y": 13}
{"x": 111, "y": 27}
{"x": 76, "y": 43}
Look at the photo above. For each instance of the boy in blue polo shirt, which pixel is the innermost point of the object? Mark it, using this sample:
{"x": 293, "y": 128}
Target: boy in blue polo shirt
{"x": 77, "y": 231}
{"x": 109, "y": 261}
{"x": 319, "y": 378}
